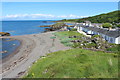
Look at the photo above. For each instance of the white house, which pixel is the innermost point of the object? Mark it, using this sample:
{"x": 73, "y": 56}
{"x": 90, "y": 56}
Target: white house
{"x": 113, "y": 36}
{"x": 108, "y": 35}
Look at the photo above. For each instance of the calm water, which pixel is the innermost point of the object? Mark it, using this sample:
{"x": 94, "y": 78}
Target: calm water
{"x": 8, "y": 46}
{"x": 24, "y": 27}
{"x": 19, "y": 28}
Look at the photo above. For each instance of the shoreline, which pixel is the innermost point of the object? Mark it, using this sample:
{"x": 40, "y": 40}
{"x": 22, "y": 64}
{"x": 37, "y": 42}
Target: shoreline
{"x": 14, "y": 36}
{"x": 11, "y": 55}
{"x": 32, "y": 47}
{"x": 14, "y": 52}
{"x": 17, "y": 56}
{"x": 18, "y": 48}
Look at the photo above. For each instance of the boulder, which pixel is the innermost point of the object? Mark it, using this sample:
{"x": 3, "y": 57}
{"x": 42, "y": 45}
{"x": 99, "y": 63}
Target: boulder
{"x": 4, "y": 34}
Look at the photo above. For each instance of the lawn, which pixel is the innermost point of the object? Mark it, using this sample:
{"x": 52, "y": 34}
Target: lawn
{"x": 75, "y": 63}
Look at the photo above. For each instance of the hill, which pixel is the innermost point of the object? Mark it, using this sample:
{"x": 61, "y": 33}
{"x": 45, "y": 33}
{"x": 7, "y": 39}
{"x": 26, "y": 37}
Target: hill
{"x": 102, "y": 18}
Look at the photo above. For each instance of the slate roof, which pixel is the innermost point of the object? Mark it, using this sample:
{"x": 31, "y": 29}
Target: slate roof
{"x": 115, "y": 33}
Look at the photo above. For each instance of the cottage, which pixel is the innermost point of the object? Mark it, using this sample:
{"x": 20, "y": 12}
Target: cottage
{"x": 113, "y": 37}
{"x": 108, "y": 35}
{"x": 88, "y": 23}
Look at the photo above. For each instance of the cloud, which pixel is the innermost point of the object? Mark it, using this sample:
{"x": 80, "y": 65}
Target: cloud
{"x": 39, "y": 16}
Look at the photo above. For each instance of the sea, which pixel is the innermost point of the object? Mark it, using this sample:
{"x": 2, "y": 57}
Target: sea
{"x": 16, "y": 28}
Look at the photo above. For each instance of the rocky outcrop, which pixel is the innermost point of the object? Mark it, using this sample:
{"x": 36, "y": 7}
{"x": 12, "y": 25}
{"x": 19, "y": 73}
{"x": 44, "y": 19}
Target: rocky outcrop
{"x": 45, "y": 26}
{"x": 4, "y": 34}
{"x": 56, "y": 26}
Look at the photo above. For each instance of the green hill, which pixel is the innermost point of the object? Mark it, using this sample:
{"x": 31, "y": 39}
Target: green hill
{"x": 102, "y": 18}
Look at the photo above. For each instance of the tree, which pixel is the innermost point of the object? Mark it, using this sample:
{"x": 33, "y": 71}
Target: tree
{"x": 118, "y": 25}
{"x": 107, "y": 25}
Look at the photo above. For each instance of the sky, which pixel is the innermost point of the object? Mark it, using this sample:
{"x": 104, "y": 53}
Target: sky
{"x": 54, "y": 10}
{"x": 60, "y": 0}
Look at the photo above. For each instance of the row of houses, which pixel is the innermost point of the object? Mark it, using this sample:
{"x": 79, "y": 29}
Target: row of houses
{"x": 112, "y": 36}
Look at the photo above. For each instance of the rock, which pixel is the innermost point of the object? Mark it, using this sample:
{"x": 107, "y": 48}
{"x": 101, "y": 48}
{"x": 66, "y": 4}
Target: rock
{"x": 14, "y": 44}
{"x": 49, "y": 29}
{"x": 21, "y": 73}
{"x": 4, "y": 34}
{"x": 78, "y": 41}
{"x": 45, "y": 26}
{"x": 75, "y": 36}
{"x": 3, "y": 51}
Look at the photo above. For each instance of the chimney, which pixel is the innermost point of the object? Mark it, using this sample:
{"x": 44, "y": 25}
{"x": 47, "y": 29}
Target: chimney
{"x": 110, "y": 28}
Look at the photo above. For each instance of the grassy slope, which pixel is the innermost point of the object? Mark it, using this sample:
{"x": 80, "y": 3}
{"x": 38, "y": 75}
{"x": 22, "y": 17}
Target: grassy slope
{"x": 75, "y": 63}
{"x": 102, "y": 18}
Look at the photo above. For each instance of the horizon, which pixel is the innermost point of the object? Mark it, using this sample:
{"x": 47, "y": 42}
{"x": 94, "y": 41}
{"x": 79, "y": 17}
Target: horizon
{"x": 54, "y": 10}
{"x": 28, "y": 20}
{"x": 52, "y": 19}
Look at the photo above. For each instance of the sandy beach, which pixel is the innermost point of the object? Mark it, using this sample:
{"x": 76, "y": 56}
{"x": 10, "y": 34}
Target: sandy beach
{"x": 32, "y": 48}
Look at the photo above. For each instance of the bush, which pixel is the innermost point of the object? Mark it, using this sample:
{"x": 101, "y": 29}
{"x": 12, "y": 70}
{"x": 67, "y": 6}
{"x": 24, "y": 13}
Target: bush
{"x": 118, "y": 25}
{"x": 65, "y": 40}
{"x": 91, "y": 45}
{"x": 95, "y": 36}
{"x": 114, "y": 49}
{"x": 73, "y": 29}
{"x": 75, "y": 45}
{"x": 69, "y": 44}
{"x": 107, "y": 25}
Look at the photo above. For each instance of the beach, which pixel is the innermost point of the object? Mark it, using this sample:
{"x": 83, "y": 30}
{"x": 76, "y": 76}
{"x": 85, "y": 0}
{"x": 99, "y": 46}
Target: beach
{"x": 32, "y": 47}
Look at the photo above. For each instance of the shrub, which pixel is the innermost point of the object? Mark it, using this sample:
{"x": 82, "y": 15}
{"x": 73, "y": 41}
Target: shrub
{"x": 73, "y": 29}
{"x": 95, "y": 36}
{"x": 118, "y": 25}
{"x": 75, "y": 45}
{"x": 107, "y": 25}
{"x": 114, "y": 49}
{"x": 91, "y": 45}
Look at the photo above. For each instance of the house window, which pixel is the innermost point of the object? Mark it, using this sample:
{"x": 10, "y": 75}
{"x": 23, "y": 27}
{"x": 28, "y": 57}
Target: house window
{"x": 111, "y": 40}
{"x": 105, "y": 37}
